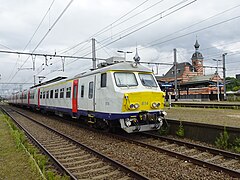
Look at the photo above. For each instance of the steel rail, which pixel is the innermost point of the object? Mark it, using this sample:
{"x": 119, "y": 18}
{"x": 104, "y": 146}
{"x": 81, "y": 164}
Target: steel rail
{"x": 116, "y": 164}
{"x": 42, "y": 148}
{"x": 193, "y": 160}
{"x": 196, "y": 146}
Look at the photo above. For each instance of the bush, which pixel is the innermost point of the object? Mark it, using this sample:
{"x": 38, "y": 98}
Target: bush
{"x": 223, "y": 141}
{"x": 180, "y": 132}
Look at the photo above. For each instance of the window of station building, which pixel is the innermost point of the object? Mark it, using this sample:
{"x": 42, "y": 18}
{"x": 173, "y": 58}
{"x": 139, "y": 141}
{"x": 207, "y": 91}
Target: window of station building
{"x": 68, "y": 92}
{"x": 44, "y": 95}
{"x": 61, "y": 92}
{"x": 51, "y": 94}
{"x": 104, "y": 80}
{"x": 47, "y": 94}
{"x": 82, "y": 91}
{"x": 56, "y": 93}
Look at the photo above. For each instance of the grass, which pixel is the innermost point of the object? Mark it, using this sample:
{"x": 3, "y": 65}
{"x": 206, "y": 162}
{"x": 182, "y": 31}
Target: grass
{"x": 18, "y": 158}
{"x": 14, "y": 162}
{"x": 223, "y": 117}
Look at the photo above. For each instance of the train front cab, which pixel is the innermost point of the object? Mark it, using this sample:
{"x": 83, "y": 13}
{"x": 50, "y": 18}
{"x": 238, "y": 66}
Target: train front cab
{"x": 132, "y": 98}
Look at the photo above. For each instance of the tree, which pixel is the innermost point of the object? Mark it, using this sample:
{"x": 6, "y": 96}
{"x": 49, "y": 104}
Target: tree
{"x": 232, "y": 84}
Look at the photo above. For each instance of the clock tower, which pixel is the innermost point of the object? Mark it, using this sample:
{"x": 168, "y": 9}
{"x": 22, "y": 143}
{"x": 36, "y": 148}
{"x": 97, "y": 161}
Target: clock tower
{"x": 197, "y": 60}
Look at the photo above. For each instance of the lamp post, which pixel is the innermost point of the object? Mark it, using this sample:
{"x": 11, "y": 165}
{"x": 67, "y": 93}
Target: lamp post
{"x": 124, "y": 52}
{"x": 218, "y": 98}
{"x": 224, "y": 77}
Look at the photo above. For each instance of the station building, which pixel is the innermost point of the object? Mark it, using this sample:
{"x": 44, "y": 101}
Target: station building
{"x": 191, "y": 81}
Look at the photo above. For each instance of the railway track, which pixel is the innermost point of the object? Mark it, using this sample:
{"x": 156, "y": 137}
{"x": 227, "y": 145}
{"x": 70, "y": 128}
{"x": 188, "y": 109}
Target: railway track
{"x": 73, "y": 158}
{"x": 140, "y": 152}
{"x": 211, "y": 158}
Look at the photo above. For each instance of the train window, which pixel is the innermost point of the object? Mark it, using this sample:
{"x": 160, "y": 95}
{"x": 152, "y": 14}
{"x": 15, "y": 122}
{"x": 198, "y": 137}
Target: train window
{"x": 51, "y": 94}
{"x": 104, "y": 80}
{"x": 44, "y": 95}
{"x": 68, "y": 92}
{"x": 56, "y": 93}
{"x": 40, "y": 95}
{"x": 82, "y": 91}
{"x": 147, "y": 80}
{"x": 62, "y": 93}
{"x": 90, "y": 90}
{"x": 75, "y": 92}
{"x": 47, "y": 94}
{"x": 125, "y": 79}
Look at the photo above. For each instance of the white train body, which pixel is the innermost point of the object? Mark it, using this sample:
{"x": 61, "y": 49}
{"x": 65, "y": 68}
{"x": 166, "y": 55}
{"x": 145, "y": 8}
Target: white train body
{"x": 122, "y": 94}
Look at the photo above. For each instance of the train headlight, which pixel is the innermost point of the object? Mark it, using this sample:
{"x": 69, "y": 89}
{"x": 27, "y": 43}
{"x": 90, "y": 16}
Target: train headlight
{"x": 155, "y": 105}
{"x": 134, "y": 106}
{"x": 127, "y": 122}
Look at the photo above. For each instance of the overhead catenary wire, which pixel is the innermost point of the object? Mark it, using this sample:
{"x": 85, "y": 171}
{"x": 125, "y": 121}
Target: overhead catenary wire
{"x": 103, "y": 29}
{"x": 59, "y": 17}
{"x": 197, "y": 23}
{"x": 138, "y": 26}
{"x": 32, "y": 36}
{"x": 162, "y": 16}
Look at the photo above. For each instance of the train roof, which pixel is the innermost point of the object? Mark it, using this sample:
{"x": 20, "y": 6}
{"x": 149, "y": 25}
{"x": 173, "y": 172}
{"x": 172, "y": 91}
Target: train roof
{"x": 59, "y": 78}
{"x": 121, "y": 66}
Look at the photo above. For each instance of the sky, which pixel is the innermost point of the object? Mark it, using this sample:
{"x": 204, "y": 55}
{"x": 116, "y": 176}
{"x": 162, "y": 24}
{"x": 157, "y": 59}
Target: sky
{"x": 154, "y": 27}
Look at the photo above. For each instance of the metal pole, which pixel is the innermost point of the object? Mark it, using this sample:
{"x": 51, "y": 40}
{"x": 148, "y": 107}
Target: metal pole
{"x": 175, "y": 73}
{"x": 224, "y": 77}
{"x": 34, "y": 80}
{"x": 93, "y": 53}
{"x": 217, "y": 83}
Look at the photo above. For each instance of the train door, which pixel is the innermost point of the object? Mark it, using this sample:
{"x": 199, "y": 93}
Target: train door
{"x": 75, "y": 96}
{"x": 38, "y": 98}
{"x": 91, "y": 94}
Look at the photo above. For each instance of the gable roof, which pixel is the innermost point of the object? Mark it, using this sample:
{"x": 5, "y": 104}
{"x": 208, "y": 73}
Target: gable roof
{"x": 181, "y": 67}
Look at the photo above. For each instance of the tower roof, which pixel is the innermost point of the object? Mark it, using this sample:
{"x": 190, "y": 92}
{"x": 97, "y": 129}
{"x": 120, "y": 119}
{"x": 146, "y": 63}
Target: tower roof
{"x": 197, "y": 54}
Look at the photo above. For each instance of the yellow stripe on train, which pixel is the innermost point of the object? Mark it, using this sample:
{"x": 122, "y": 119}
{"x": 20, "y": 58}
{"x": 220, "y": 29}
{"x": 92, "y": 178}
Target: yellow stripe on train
{"x": 143, "y": 101}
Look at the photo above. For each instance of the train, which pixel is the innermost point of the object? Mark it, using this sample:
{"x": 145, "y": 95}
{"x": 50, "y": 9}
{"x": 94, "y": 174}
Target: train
{"x": 122, "y": 95}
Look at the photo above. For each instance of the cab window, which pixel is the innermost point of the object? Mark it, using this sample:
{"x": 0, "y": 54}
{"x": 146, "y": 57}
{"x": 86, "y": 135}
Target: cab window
{"x": 125, "y": 79}
{"x": 147, "y": 80}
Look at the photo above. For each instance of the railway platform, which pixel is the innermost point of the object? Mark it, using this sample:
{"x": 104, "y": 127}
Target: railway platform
{"x": 207, "y": 104}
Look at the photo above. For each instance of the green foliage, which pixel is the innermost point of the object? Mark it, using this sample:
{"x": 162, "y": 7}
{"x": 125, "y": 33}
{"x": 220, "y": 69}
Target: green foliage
{"x": 236, "y": 145}
{"x": 41, "y": 160}
{"x": 180, "y": 132}
{"x": 233, "y": 84}
{"x": 164, "y": 130}
{"x": 223, "y": 141}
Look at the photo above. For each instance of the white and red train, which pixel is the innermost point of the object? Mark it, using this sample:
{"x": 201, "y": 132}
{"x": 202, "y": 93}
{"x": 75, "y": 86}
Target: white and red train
{"x": 123, "y": 94}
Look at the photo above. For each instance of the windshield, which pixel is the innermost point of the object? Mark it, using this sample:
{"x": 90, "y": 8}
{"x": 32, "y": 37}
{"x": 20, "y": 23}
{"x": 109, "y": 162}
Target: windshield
{"x": 124, "y": 79}
{"x": 147, "y": 80}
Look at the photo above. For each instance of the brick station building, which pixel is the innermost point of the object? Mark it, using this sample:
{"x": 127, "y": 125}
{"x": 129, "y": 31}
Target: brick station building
{"x": 190, "y": 78}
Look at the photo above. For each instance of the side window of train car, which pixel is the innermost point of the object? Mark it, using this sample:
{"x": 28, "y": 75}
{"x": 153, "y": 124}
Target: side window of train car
{"x": 82, "y": 91}
{"x": 104, "y": 80}
{"x": 56, "y": 93}
{"x": 68, "y": 92}
{"x": 41, "y": 95}
{"x": 51, "y": 94}
{"x": 44, "y": 95}
{"x": 47, "y": 94}
{"x": 61, "y": 92}
{"x": 90, "y": 90}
